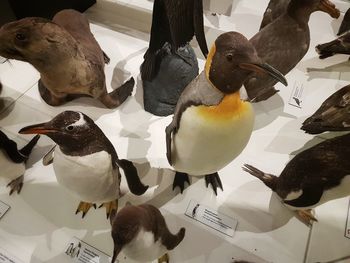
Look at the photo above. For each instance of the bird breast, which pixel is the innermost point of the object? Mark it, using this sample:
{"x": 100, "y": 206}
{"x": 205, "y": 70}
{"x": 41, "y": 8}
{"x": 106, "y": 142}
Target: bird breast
{"x": 211, "y": 137}
{"x": 91, "y": 177}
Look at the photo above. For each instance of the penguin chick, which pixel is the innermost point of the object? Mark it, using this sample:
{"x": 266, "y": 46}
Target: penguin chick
{"x": 212, "y": 124}
{"x": 12, "y": 161}
{"x": 64, "y": 51}
{"x": 284, "y": 42}
{"x": 85, "y": 161}
{"x": 341, "y": 45}
{"x": 274, "y": 9}
{"x": 333, "y": 115}
{"x": 313, "y": 177}
{"x": 142, "y": 233}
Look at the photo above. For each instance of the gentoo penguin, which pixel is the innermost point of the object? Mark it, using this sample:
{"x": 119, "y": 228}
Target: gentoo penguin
{"x": 143, "y": 235}
{"x": 85, "y": 161}
{"x": 345, "y": 24}
{"x": 64, "y": 51}
{"x": 212, "y": 124}
{"x": 274, "y": 9}
{"x": 170, "y": 63}
{"x": 313, "y": 177}
{"x": 333, "y": 115}
{"x": 340, "y": 45}
{"x": 284, "y": 42}
{"x": 12, "y": 161}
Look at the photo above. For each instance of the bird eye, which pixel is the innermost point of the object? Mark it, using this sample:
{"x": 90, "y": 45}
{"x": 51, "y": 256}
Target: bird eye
{"x": 20, "y": 36}
{"x": 229, "y": 57}
{"x": 70, "y": 128}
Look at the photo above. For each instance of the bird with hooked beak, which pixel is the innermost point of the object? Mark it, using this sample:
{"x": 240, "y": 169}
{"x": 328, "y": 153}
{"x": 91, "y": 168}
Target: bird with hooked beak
{"x": 212, "y": 124}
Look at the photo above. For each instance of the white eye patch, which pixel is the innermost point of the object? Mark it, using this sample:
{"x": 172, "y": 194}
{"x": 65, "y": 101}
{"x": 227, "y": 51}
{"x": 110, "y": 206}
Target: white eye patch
{"x": 79, "y": 122}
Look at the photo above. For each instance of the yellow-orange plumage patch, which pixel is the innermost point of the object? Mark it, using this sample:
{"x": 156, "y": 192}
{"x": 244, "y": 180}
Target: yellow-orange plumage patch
{"x": 231, "y": 106}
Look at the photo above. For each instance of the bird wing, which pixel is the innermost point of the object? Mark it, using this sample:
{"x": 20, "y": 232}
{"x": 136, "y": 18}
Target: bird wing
{"x": 309, "y": 197}
{"x": 198, "y": 92}
{"x": 10, "y": 147}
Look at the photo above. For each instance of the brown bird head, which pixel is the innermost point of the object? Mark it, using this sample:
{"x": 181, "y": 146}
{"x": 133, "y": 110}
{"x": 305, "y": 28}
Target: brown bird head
{"x": 232, "y": 59}
{"x": 307, "y": 7}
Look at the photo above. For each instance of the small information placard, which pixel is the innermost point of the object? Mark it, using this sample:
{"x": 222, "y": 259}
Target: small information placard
{"x": 347, "y": 228}
{"x": 296, "y": 97}
{"x": 211, "y": 218}
{"x": 3, "y": 209}
{"x": 82, "y": 252}
{"x": 5, "y": 257}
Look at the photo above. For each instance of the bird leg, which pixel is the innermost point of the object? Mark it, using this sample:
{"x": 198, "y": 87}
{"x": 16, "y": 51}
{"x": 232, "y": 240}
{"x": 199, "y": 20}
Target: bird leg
{"x": 84, "y": 208}
{"x": 164, "y": 258}
{"x": 179, "y": 181}
{"x": 16, "y": 185}
{"x": 111, "y": 207}
{"x": 215, "y": 182}
{"x": 306, "y": 216}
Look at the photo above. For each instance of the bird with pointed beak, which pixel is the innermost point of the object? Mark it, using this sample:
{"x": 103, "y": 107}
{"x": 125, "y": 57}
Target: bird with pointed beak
{"x": 212, "y": 123}
{"x": 85, "y": 161}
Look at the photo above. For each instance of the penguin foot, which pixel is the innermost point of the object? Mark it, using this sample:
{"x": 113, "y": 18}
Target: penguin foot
{"x": 84, "y": 208}
{"x": 16, "y": 185}
{"x": 215, "y": 181}
{"x": 111, "y": 207}
{"x": 179, "y": 181}
{"x": 164, "y": 258}
{"x": 306, "y": 216}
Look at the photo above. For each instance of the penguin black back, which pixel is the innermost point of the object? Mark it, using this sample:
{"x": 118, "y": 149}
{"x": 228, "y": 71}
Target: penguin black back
{"x": 175, "y": 22}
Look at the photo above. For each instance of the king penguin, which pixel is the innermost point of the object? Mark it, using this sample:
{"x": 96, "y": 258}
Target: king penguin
{"x": 12, "y": 161}
{"x": 313, "y": 177}
{"x": 143, "y": 235}
{"x": 212, "y": 124}
{"x": 333, "y": 115}
{"x": 85, "y": 161}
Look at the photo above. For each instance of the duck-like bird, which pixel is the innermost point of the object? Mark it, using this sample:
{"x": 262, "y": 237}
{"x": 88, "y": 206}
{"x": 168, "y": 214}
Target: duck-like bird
{"x": 284, "y": 42}
{"x": 333, "y": 115}
{"x": 85, "y": 161}
{"x": 212, "y": 124}
{"x": 313, "y": 177}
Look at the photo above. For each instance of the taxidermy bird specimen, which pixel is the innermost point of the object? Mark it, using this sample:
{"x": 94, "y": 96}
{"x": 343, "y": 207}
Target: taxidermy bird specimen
{"x": 274, "y": 9}
{"x": 170, "y": 63}
{"x": 85, "y": 161}
{"x": 333, "y": 115}
{"x": 313, "y": 177}
{"x": 341, "y": 45}
{"x": 212, "y": 124}
{"x": 13, "y": 161}
{"x": 143, "y": 235}
{"x": 284, "y": 42}
{"x": 64, "y": 51}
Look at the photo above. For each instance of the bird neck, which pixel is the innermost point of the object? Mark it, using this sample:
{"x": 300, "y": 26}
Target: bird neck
{"x": 209, "y": 61}
{"x": 299, "y": 14}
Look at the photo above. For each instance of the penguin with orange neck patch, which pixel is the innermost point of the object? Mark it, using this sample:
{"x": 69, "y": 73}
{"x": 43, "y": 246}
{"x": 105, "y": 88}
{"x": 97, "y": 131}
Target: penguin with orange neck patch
{"x": 212, "y": 124}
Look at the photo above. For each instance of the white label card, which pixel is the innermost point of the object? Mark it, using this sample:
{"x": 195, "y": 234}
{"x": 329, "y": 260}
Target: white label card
{"x": 82, "y": 252}
{"x": 211, "y": 218}
{"x": 3, "y": 209}
{"x": 347, "y": 228}
{"x": 5, "y": 257}
{"x": 296, "y": 97}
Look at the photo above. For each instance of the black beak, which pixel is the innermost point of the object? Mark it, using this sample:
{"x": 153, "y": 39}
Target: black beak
{"x": 265, "y": 68}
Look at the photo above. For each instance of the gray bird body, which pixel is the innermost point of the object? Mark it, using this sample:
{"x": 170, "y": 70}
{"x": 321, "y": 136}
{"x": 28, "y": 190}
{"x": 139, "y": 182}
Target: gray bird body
{"x": 274, "y": 9}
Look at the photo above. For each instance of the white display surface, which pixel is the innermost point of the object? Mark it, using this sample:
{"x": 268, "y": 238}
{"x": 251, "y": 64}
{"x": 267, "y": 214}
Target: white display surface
{"x": 41, "y": 221}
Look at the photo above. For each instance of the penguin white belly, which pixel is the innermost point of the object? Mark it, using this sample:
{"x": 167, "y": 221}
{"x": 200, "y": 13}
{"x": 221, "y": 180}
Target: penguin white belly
{"x": 143, "y": 248}
{"x": 208, "y": 140}
{"x": 9, "y": 169}
{"x": 90, "y": 177}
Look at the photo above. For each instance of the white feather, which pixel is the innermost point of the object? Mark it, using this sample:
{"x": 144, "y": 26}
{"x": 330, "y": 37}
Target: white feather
{"x": 81, "y": 120}
{"x": 9, "y": 169}
{"x": 90, "y": 177}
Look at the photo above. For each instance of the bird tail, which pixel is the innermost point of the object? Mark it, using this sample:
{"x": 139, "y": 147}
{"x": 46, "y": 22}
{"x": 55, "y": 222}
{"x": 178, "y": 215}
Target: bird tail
{"x": 132, "y": 178}
{"x": 268, "y": 179}
{"x": 149, "y": 66}
{"x": 26, "y": 150}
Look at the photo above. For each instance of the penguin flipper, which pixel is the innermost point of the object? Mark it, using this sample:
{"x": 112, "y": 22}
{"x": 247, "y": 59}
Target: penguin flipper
{"x": 48, "y": 157}
{"x": 11, "y": 149}
{"x": 310, "y": 196}
{"x": 132, "y": 178}
{"x": 199, "y": 26}
{"x": 116, "y": 252}
{"x": 168, "y": 137}
{"x": 345, "y": 25}
{"x": 26, "y": 150}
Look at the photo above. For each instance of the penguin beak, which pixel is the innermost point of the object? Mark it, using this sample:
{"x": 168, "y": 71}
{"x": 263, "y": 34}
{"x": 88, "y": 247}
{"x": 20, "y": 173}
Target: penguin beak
{"x": 41, "y": 128}
{"x": 329, "y": 8}
{"x": 264, "y": 68}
